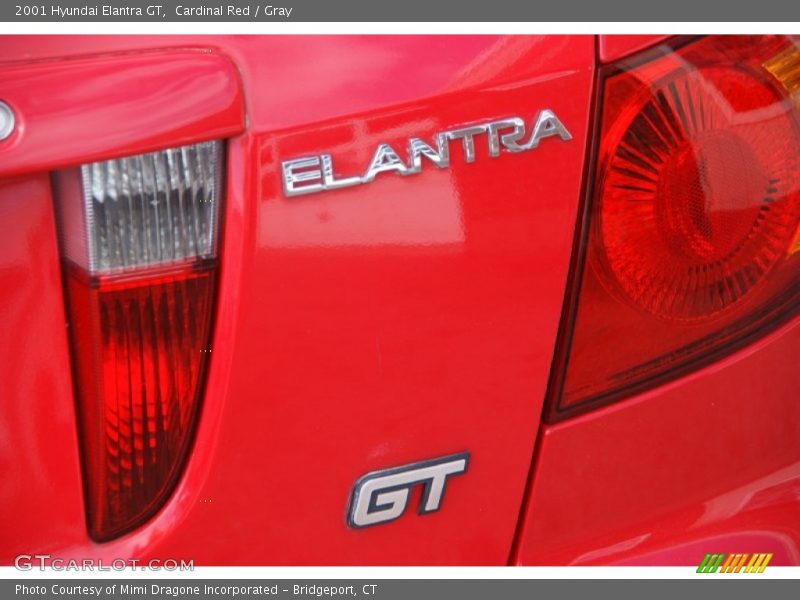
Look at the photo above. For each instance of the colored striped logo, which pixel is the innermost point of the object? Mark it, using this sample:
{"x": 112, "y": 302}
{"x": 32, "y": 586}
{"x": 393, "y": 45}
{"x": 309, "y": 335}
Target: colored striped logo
{"x": 734, "y": 563}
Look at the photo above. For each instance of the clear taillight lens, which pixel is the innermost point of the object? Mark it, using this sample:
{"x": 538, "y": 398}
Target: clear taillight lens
{"x": 139, "y": 238}
{"x": 147, "y": 210}
{"x": 691, "y": 243}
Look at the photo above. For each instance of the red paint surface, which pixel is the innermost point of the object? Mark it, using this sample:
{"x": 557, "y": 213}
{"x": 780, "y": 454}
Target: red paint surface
{"x": 379, "y": 325}
{"x": 84, "y": 110}
{"x": 41, "y": 490}
{"x": 383, "y": 324}
{"x": 710, "y": 463}
{"x": 614, "y": 47}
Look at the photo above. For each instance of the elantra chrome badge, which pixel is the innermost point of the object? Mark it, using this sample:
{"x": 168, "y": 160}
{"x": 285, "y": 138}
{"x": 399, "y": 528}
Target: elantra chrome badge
{"x": 311, "y": 174}
{"x": 382, "y": 496}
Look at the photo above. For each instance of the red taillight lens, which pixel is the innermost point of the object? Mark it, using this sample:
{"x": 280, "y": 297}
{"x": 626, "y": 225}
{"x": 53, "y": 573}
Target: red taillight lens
{"x": 139, "y": 245}
{"x": 691, "y": 243}
{"x": 139, "y": 356}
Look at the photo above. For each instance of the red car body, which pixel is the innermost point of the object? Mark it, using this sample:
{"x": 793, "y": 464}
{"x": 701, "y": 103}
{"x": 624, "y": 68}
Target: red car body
{"x": 376, "y": 326}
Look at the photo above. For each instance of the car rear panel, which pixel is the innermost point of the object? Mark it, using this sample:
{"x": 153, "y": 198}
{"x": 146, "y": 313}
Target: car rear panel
{"x": 357, "y": 329}
{"x": 374, "y": 326}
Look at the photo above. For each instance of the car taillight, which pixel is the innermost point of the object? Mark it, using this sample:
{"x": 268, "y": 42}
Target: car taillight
{"x": 690, "y": 242}
{"x": 139, "y": 243}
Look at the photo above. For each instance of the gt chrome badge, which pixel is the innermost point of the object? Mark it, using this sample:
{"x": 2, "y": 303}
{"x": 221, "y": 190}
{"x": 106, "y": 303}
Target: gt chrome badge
{"x": 382, "y": 496}
{"x": 311, "y": 174}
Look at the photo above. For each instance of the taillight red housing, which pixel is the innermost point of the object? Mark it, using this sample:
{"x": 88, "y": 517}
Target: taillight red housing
{"x": 139, "y": 239}
{"x": 690, "y": 238}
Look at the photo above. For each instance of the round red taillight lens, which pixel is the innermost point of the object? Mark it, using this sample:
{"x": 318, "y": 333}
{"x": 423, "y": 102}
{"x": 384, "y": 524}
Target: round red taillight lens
{"x": 698, "y": 195}
{"x": 691, "y": 247}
